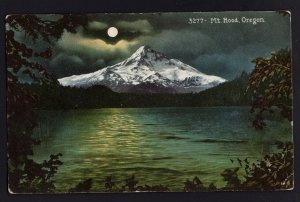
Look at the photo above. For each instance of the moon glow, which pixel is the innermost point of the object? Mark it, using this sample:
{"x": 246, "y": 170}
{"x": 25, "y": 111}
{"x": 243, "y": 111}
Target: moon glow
{"x": 112, "y": 32}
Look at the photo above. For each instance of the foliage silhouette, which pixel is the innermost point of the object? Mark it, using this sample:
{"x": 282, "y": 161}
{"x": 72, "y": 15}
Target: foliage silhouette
{"x": 271, "y": 84}
{"x": 84, "y": 186}
{"x": 131, "y": 185}
{"x": 196, "y": 185}
{"x": 25, "y": 175}
{"x": 274, "y": 172}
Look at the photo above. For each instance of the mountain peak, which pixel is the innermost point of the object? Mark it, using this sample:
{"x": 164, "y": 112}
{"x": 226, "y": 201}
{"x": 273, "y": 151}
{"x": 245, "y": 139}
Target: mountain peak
{"x": 144, "y": 48}
{"x": 146, "y": 66}
{"x": 144, "y": 52}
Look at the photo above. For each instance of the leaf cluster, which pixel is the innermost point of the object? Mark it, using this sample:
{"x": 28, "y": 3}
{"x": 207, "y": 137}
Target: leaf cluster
{"x": 270, "y": 83}
{"x": 130, "y": 184}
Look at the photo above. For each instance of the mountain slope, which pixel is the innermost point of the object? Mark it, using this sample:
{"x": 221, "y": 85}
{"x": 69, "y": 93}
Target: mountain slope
{"x": 230, "y": 93}
{"x": 143, "y": 69}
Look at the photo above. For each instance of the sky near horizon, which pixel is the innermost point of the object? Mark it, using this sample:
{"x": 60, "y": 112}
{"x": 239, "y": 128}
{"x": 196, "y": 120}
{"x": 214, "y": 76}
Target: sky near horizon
{"x": 222, "y": 49}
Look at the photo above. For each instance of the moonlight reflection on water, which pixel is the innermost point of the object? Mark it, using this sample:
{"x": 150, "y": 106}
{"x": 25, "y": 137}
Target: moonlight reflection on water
{"x": 158, "y": 145}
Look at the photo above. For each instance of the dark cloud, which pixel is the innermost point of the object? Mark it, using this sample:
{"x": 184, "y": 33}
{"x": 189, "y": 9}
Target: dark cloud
{"x": 64, "y": 63}
{"x": 230, "y": 64}
{"x": 183, "y": 44}
{"x": 142, "y": 26}
{"x": 219, "y": 49}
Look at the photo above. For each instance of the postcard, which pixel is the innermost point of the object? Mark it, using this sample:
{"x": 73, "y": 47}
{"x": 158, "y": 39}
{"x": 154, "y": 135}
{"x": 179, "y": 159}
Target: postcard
{"x": 149, "y": 102}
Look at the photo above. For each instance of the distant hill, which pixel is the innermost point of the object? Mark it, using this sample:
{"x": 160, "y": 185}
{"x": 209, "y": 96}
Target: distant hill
{"x": 228, "y": 93}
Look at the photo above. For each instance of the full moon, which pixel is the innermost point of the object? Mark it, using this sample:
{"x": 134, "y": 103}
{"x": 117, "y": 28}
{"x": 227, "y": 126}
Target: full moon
{"x": 112, "y": 32}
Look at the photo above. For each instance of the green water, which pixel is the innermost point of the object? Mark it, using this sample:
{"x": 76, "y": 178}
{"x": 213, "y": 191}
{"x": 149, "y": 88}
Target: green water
{"x": 158, "y": 145}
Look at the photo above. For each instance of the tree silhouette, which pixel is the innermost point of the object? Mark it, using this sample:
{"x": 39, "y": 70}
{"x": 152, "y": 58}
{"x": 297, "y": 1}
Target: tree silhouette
{"x": 25, "y": 175}
{"x": 271, "y": 84}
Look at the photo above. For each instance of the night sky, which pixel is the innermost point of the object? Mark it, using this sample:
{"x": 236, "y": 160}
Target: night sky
{"x": 220, "y": 49}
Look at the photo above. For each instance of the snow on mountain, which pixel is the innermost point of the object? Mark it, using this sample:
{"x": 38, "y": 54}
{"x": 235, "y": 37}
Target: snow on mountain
{"x": 143, "y": 70}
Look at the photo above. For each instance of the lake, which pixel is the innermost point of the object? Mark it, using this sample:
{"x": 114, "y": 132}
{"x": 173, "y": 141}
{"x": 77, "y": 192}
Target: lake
{"x": 158, "y": 145}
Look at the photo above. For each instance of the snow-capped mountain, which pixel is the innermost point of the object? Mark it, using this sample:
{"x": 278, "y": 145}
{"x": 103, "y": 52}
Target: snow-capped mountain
{"x": 146, "y": 71}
